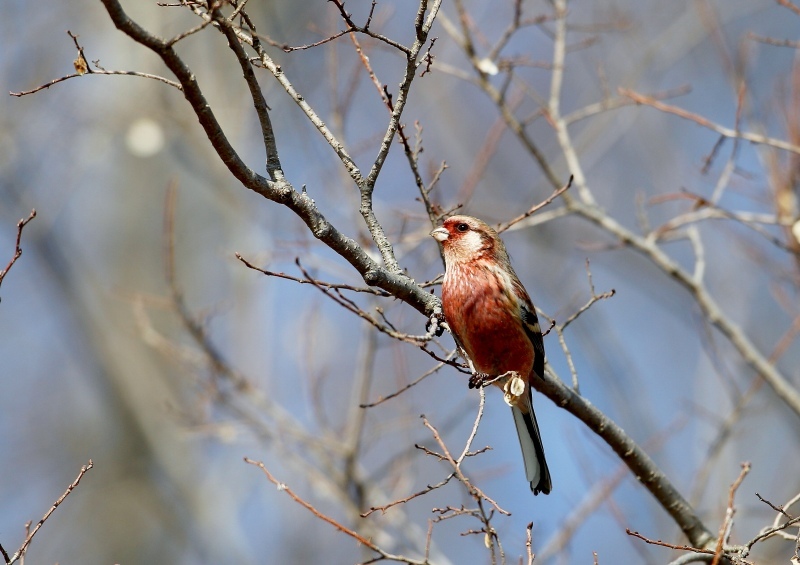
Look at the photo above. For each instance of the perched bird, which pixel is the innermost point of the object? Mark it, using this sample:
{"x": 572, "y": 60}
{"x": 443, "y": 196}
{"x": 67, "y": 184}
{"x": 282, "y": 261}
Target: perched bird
{"x": 495, "y": 324}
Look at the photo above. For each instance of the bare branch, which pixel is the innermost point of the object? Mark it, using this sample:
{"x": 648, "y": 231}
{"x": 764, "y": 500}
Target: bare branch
{"x": 342, "y": 528}
{"x": 724, "y": 530}
{"x": 669, "y": 545}
{"x": 704, "y": 299}
{"x": 424, "y": 491}
{"x": 98, "y": 71}
{"x": 642, "y": 466}
{"x": 274, "y": 168}
{"x": 773, "y": 41}
{"x": 82, "y": 68}
{"x": 706, "y": 123}
{"x": 23, "y": 548}
{"x": 18, "y": 248}
{"x": 279, "y": 191}
{"x": 315, "y": 282}
{"x": 536, "y": 208}
{"x": 789, "y": 5}
{"x": 474, "y": 491}
{"x": 413, "y": 383}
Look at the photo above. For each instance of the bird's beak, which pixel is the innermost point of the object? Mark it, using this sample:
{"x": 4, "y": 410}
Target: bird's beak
{"x": 440, "y": 234}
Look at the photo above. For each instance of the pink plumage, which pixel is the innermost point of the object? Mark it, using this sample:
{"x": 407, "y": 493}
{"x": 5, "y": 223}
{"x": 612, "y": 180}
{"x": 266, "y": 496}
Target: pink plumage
{"x": 493, "y": 320}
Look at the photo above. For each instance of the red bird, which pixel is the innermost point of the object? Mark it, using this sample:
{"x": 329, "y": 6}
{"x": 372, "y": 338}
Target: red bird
{"x": 493, "y": 320}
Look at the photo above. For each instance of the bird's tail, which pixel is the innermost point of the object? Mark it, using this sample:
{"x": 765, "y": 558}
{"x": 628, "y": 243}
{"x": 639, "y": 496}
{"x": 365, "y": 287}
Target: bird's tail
{"x": 536, "y": 470}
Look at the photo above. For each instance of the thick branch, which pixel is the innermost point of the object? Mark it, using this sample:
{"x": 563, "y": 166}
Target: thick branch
{"x": 274, "y": 168}
{"x": 193, "y": 94}
{"x": 644, "y": 468}
{"x": 279, "y": 191}
{"x": 423, "y": 27}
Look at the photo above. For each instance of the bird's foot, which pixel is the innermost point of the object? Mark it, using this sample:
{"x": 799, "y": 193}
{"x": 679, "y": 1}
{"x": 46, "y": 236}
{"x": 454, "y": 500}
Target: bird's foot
{"x": 436, "y": 323}
{"x": 478, "y": 380}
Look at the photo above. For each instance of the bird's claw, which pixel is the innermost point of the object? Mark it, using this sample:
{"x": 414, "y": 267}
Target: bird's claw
{"x": 436, "y": 323}
{"x": 478, "y": 380}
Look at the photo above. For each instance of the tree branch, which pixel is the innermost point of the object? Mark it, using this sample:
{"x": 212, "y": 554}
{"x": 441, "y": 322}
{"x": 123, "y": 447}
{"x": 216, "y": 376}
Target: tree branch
{"x": 280, "y": 191}
{"x": 642, "y": 466}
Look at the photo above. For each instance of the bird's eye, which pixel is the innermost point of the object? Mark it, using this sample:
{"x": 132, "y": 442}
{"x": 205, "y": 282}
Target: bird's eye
{"x": 462, "y": 227}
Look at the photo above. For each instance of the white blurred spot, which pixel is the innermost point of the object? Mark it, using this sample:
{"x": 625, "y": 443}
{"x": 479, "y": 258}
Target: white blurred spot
{"x": 145, "y": 137}
{"x": 796, "y": 230}
{"x": 487, "y": 66}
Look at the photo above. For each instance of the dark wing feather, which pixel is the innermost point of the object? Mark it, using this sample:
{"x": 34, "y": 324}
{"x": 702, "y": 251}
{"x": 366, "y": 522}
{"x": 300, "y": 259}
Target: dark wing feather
{"x": 530, "y": 321}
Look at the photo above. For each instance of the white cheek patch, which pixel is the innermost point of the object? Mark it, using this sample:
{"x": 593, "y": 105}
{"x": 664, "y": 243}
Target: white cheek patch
{"x": 472, "y": 242}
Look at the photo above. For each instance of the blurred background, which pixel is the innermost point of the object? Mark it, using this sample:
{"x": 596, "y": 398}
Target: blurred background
{"x": 98, "y": 363}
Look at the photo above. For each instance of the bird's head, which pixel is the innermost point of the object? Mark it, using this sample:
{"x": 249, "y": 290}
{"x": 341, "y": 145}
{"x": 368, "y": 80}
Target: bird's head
{"x": 465, "y": 239}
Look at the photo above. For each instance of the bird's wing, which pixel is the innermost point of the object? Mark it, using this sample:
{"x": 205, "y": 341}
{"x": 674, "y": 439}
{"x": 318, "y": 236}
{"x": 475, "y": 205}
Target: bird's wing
{"x": 530, "y": 322}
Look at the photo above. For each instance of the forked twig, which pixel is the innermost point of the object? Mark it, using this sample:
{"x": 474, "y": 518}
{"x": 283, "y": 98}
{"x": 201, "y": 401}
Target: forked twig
{"x": 325, "y": 518}
{"x": 23, "y": 548}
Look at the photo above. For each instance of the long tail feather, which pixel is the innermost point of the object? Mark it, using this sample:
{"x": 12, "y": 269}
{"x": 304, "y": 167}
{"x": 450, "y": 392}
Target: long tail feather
{"x": 536, "y": 470}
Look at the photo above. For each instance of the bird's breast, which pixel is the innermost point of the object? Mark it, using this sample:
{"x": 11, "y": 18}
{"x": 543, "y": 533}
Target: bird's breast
{"x": 483, "y": 313}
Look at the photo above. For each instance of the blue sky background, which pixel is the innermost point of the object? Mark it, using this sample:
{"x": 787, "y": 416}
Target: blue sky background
{"x": 82, "y": 377}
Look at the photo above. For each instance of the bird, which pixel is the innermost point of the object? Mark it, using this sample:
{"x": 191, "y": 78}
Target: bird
{"x": 494, "y": 322}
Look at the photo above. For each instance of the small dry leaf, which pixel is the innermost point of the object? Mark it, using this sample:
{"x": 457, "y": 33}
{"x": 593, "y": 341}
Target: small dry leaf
{"x": 81, "y": 66}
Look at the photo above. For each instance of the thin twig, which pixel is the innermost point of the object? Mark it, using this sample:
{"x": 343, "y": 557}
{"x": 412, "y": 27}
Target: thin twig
{"x": 778, "y": 509}
{"x": 474, "y": 491}
{"x": 328, "y": 285}
{"x": 17, "y": 248}
{"x": 342, "y": 528}
{"x": 537, "y": 207}
{"x": 594, "y": 298}
{"x": 21, "y": 551}
{"x": 97, "y": 72}
{"x": 669, "y": 545}
{"x": 772, "y": 41}
{"x": 706, "y": 123}
{"x": 426, "y": 490}
{"x": 413, "y": 383}
{"x": 337, "y": 296}
{"x": 724, "y": 530}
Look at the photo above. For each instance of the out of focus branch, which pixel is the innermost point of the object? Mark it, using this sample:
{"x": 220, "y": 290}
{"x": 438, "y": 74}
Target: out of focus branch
{"x": 704, "y": 299}
{"x": 342, "y": 528}
{"x": 706, "y": 123}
